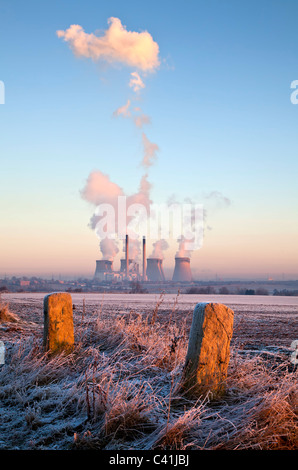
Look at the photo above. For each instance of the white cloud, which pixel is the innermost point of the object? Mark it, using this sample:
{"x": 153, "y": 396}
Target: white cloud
{"x": 115, "y": 45}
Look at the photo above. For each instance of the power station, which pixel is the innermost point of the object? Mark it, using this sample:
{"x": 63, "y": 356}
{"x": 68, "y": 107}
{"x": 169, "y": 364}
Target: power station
{"x": 152, "y": 269}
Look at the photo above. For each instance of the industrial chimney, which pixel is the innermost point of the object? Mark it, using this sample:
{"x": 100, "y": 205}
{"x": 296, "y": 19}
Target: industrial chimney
{"x": 103, "y": 266}
{"x": 182, "y": 272}
{"x": 144, "y": 259}
{"x": 126, "y": 257}
{"x": 154, "y": 270}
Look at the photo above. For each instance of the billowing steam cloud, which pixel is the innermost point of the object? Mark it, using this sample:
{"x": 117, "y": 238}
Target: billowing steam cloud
{"x": 99, "y": 190}
{"x": 158, "y": 248}
{"x": 108, "y": 248}
{"x": 182, "y": 251}
{"x": 130, "y": 48}
{"x": 215, "y": 201}
{"x": 191, "y": 220}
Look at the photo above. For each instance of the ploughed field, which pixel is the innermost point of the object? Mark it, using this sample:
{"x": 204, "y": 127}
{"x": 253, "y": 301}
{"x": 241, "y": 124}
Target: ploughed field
{"x": 119, "y": 388}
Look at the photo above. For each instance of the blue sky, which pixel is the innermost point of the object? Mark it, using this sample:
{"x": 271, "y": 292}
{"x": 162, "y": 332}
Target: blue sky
{"x": 220, "y": 113}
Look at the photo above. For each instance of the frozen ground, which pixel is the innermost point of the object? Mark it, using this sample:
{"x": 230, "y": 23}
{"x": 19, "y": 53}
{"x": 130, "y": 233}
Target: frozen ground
{"x": 150, "y": 299}
{"x": 260, "y": 321}
{"x": 120, "y": 387}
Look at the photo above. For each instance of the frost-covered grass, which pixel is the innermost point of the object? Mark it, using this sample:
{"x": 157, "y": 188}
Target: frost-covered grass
{"x": 119, "y": 389}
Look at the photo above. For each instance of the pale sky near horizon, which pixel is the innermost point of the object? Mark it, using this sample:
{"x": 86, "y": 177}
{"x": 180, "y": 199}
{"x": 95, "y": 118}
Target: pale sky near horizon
{"x": 220, "y": 113}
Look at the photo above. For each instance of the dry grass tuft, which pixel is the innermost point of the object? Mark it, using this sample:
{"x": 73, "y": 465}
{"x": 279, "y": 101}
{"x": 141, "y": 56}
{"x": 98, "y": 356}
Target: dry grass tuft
{"x": 127, "y": 419}
{"x": 177, "y": 435}
{"x": 5, "y": 315}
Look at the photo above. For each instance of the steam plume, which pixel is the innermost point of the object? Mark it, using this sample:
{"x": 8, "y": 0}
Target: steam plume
{"x": 141, "y": 120}
{"x": 136, "y": 83}
{"x": 132, "y": 49}
{"x": 99, "y": 189}
{"x": 123, "y": 110}
{"x": 182, "y": 252}
{"x": 158, "y": 248}
{"x": 150, "y": 150}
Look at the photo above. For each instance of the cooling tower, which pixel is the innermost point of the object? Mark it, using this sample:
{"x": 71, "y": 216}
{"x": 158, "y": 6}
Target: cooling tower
{"x": 182, "y": 272}
{"x": 154, "y": 270}
{"x": 123, "y": 265}
{"x": 103, "y": 266}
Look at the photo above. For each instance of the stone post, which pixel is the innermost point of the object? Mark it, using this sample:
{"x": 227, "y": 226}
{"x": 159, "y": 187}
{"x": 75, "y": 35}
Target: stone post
{"x": 208, "y": 351}
{"x": 58, "y": 322}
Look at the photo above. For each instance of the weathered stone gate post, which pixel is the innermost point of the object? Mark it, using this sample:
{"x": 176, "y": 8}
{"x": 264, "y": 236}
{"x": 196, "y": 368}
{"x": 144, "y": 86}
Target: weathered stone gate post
{"x": 208, "y": 351}
{"x": 58, "y": 322}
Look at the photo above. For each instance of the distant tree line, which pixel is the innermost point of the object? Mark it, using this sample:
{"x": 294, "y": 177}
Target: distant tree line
{"x": 285, "y": 292}
{"x": 239, "y": 291}
{"x": 225, "y": 291}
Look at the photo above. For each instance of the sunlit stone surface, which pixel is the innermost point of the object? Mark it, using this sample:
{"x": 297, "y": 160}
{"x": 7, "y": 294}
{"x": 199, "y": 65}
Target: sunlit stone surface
{"x": 208, "y": 352}
{"x": 58, "y": 322}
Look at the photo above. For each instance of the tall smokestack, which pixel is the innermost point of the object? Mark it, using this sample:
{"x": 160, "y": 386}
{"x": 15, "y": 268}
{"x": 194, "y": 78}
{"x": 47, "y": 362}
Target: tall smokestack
{"x": 182, "y": 272}
{"x": 126, "y": 256}
{"x": 155, "y": 270}
{"x": 144, "y": 259}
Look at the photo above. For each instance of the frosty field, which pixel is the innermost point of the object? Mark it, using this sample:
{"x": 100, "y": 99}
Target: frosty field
{"x": 259, "y": 320}
{"x": 119, "y": 389}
